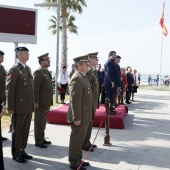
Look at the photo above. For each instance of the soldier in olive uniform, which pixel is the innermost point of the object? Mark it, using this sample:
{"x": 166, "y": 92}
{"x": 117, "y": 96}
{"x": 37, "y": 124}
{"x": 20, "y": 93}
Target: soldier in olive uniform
{"x": 20, "y": 103}
{"x": 79, "y": 113}
{"x": 2, "y": 111}
{"x": 43, "y": 99}
{"x": 2, "y": 83}
{"x": 94, "y": 82}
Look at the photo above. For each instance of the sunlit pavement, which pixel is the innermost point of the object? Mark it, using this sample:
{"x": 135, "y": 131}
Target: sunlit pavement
{"x": 144, "y": 144}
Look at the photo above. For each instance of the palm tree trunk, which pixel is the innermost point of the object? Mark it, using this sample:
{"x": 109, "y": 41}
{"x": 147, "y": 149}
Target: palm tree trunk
{"x": 64, "y": 35}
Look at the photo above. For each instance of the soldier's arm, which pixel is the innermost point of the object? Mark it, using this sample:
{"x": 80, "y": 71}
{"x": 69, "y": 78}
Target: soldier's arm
{"x": 11, "y": 85}
{"x": 76, "y": 97}
{"x": 36, "y": 85}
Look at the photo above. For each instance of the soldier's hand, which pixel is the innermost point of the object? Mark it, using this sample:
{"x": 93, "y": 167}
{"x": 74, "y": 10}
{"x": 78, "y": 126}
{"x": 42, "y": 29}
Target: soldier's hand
{"x": 36, "y": 105}
{"x": 59, "y": 85}
{"x": 77, "y": 123}
{"x": 11, "y": 112}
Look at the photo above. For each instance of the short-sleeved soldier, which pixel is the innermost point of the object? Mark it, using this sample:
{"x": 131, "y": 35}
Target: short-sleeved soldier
{"x": 80, "y": 111}
{"x": 2, "y": 83}
{"x": 43, "y": 99}
{"x": 20, "y": 103}
{"x": 94, "y": 82}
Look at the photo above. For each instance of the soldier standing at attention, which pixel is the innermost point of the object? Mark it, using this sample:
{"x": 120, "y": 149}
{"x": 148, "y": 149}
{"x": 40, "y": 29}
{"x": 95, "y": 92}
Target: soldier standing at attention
{"x": 79, "y": 112}
{"x": 2, "y": 84}
{"x": 43, "y": 99}
{"x": 94, "y": 82}
{"x": 20, "y": 103}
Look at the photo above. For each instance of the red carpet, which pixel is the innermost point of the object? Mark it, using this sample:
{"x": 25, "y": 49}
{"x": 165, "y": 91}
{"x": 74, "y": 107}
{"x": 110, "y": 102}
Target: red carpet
{"x": 58, "y": 116}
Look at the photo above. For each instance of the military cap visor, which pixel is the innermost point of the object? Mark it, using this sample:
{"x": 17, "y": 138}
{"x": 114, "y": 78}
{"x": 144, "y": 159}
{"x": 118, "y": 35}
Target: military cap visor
{"x": 93, "y": 55}
{"x": 2, "y": 53}
{"x": 21, "y": 49}
{"x": 81, "y": 59}
{"x": 44, "y": 56}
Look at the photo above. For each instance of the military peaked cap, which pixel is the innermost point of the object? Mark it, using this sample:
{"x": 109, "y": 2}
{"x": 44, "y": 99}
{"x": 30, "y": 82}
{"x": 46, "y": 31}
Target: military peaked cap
{"x": 93, "y": 55}
{"x": 81, "y": 58}
{"x": 44, "y": 56}
{"x": 21, "y": 49}
{"x": 2, "y": 53}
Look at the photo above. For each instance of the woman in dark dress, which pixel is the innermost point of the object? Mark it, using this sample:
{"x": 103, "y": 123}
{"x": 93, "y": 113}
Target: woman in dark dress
{"x": 2, "y": 110}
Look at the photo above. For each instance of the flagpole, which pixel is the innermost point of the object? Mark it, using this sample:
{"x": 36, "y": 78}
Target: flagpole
{"x": 161, "y": 63}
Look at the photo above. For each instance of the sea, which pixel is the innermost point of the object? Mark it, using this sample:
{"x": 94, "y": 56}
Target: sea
{"x": 144, "y": 78}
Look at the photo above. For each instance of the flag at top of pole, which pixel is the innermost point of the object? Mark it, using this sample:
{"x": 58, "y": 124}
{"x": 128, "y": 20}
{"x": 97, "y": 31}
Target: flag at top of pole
{"x": 164, "y": 29}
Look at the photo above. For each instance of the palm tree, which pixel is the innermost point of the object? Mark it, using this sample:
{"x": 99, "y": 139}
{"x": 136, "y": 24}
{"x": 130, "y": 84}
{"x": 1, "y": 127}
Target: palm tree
{"x": 66, "y": 7}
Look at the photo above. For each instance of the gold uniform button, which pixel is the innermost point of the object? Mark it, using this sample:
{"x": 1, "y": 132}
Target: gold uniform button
{"x": 21, "y": 100}
{"x": 85, "y": 108}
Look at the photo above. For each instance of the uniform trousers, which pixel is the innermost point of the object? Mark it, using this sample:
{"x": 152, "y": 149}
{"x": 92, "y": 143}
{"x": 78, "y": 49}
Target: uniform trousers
{"x": 40, "y": 120}
{"x": 21, "y": 127}
{"x": 77, "y": 137}
{"x": 87, "y": 142}
{"x": 1, "y": 151}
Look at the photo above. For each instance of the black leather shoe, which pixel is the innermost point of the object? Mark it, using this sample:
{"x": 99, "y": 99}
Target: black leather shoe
{"x": 19, "y": 159}
{"x": 94, "y": 146}
{"x": 26, "y": 156}
{"x": 41, "y": 145}
{"x": 3, "y": 138}
{"x": 76, "y": 167}
{"x": 46, "y": 142}
{"x": 87, "y": 149}
{"x": 112, "y": 112}
{"x": 85, "y": 164}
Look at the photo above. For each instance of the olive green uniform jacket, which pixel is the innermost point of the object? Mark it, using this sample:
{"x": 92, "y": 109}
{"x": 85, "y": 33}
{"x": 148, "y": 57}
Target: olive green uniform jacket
{"x": 43, "y": 91}
{"x": 19, "y": 89}
{"x": 80, "y": 99}
{"x": 94, "y": 82}
{"x": 2, "y": 83}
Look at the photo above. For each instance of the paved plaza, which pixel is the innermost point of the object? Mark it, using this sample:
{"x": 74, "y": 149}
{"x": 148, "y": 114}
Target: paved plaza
{"x": 144, "y": 144}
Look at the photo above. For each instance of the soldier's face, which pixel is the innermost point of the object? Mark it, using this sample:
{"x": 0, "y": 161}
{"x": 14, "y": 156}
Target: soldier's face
{"x": 1, "y": 58}
{"x": 84, "y": 67}
{"x": 46, "y": 63}
{"x": 23, "y": 55}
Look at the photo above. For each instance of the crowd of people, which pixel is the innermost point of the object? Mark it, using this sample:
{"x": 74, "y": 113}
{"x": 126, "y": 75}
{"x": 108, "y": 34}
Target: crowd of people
{"x": 89, "y": 85}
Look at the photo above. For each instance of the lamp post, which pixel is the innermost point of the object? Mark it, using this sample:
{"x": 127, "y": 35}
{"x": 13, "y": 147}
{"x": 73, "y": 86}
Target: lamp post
{"x": 58, "y": 34}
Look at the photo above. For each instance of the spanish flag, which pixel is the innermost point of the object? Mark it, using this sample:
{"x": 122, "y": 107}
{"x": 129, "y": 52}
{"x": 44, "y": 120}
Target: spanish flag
{"x": 164, "y": 30}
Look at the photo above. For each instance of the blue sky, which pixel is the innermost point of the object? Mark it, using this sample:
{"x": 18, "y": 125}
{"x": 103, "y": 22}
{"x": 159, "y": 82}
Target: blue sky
{"x": 131, "y": 28}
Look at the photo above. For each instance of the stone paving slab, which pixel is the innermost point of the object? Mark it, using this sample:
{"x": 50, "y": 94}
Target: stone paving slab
{"x": 144, "y": 144}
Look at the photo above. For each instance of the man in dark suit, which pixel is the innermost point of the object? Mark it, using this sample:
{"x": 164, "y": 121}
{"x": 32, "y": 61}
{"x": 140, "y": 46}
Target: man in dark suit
{"x": 118, "y": 84}
{"x": 94, "y": 82}
{"x": 43, "y": 99}
{"x": 110, "y": 79}
{"x": 20, "y": 103}
{"x": 79, "y": 112}
{"x": 2, "y": 111}
{"x": 2, "y": 82}
{"x": 130, "y": 80}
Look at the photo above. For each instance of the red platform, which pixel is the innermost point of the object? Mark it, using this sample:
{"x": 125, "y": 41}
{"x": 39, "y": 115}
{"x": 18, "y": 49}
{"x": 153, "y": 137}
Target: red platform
{"x": 58, "y": 116}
